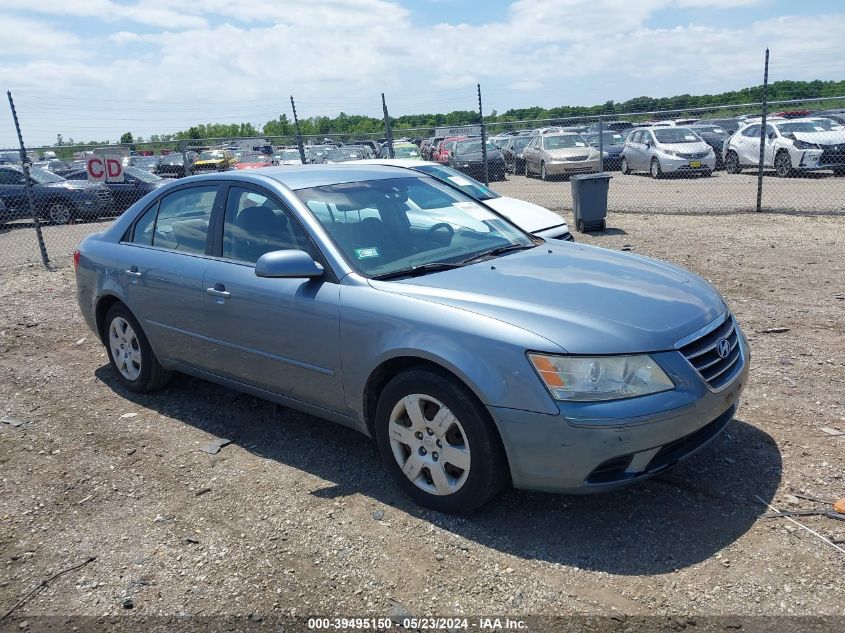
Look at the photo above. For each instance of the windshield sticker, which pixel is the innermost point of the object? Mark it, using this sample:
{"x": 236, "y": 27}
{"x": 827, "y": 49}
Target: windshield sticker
{"x": 579, "y": 144}
{"x": 819, "y": 129}
{"x": 364, "y": 253}
{"x": 460, "y": 181}
{"x": 690, "y": 137}
{"x": 475, "y": 211}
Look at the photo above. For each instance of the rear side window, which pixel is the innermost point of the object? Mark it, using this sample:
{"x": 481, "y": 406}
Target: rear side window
{"x": 179, "y": 222}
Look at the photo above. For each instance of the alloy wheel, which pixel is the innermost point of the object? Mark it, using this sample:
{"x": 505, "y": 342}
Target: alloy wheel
{"x": 125, "y": 348}
{"x": 429, "y": 444}
{"x": 59, "y": 214}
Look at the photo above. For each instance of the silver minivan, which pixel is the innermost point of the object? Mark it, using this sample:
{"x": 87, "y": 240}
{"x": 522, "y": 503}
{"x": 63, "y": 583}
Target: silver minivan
{"x": 667, "y": 150}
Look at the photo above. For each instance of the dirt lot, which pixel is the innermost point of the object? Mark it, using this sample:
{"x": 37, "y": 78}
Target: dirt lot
{"x": 297, "y": 516}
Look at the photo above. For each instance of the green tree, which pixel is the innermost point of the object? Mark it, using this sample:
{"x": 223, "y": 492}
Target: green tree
{"x": 126, "y": 137}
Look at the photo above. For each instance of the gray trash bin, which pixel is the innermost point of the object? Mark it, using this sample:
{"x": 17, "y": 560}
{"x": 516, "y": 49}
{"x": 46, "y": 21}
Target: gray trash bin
{"x": 589, "y": 201}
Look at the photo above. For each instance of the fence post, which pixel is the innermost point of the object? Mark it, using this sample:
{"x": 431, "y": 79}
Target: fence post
{"x": 28, "y": 182}
{"x": 186, "y": 167}
{"x": 763, "y": 132}
{"x": 299, "y": 144}
{"x": 387, "y": 131}
{"x": 483, "y": 139}
{"x": 601, "y": 145}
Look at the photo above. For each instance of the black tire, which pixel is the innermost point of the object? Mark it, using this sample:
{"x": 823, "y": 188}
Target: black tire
{"x": 543, "y": 175}
{"x": 152, "y": 375}
{"x": 783, "y": 165}
{"x": 655, "y": 170}
{"x": 580, "y": 226}
{"x": 732, "y": 165}
{"x": 488, "y": 470}
{"x": 624, "y": 166}
{"x": 839, "y": 171}
{"x": 527, "y": 171}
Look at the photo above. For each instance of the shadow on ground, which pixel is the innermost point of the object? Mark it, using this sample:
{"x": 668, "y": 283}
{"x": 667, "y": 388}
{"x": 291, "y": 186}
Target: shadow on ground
{"x": 670, "y": 522}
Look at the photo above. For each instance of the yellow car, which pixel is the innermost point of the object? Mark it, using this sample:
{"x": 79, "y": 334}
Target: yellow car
{"x": 215, "y": 160}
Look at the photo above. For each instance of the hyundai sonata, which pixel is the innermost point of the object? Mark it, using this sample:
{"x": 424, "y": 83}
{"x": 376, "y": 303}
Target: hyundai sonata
{"x": 477, "y": 355}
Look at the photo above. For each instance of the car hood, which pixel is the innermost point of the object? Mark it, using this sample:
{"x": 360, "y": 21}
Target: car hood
{"x": 568, "y": 152}
{"x": 611, "y": 149}
{"x": 832, "y": 137}
{"x": 529, "y": 217}
{"x": 73, "y": 184}
{"x": 585, "y": 299}
{"x": 208, "y": 161}
{"x": 477, "y": 156}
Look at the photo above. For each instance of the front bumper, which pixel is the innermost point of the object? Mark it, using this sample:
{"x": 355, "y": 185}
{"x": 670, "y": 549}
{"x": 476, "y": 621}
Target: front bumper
{"x": 673, "y": 164}
{"x": 593, "y": 447}
{"x": 813, "y": 159}
{"x": 561, "y": 167}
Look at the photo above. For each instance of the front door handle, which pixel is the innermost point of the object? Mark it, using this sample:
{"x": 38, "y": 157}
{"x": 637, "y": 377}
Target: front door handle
{"x": 133, "y": 271}
{"x": 219, "y": 290}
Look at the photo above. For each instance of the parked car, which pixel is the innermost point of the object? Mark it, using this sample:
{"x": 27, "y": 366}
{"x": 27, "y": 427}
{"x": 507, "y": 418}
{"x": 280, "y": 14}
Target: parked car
{"x": 58, "y": 167}
{"x": 531, "y": 218}
{"x": 792, "y": 146}
{"x": 444, "y": 148}
{"x": 612, "y": 145}
{"x": 56, "y": 199}
{"x": 173, "y": 165}
{"x": 345, "y": 154}
{"x": 253, "y": 160}
{"x": 136, "y": 184}
{"x": 214, "y": 160}
{"x": 560, "y": 154}
{"x": 477, "y": 357}
{"x": 667, "y": 150}
{"x": 147, "y": 163}
{"x": 728, "y": 125}
{"x": 372, "y": 145}
{"x": 287, "y": 157}
{"x": 611, "y": 126}
{"x": 714, "y": 136}
{"x": 316, "y": 153}
{"x": 467, "y": 156}
{"x": 513, "y": 153}
{"x": 406, "y": 150}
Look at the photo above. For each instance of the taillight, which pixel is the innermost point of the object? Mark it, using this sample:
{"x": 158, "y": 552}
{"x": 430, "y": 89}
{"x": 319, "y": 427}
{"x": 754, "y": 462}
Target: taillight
{"x": 76, "y": 260}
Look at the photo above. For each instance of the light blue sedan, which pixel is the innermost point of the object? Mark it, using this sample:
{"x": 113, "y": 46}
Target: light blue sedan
{"x": 477, "y": 355}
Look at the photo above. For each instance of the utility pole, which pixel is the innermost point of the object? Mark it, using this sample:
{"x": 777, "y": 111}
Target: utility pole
{"x": 483, "y": 139}
{"x": 25, "y": 164}
{"x": 298, "y": 133}
{"x": 763, "y": 132}
{"x": 387, "y": 131}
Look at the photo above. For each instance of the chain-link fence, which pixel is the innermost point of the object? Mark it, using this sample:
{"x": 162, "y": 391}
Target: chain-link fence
{"x": 704, "y": 160}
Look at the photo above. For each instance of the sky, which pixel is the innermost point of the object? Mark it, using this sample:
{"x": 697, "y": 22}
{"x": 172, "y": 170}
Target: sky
{"x": 93, "y": 69}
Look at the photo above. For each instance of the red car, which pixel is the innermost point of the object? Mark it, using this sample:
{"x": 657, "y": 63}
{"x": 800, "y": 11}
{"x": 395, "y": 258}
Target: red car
{"x": 253, "y": 161}
{"x": 444, "y": 147}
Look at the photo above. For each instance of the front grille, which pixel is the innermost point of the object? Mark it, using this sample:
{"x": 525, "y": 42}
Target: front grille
{"x": 567, "y": 236}
{"x": 104, "y": 196}
{"x": 703, "y": 354}
{"x": 833, "y": 155}
{"x": 694, "y": 155}
{"x": 577, "y": 157}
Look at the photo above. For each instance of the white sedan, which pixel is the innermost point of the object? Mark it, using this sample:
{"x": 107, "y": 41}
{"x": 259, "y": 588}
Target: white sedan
{"x": 529, "y": 217}
{"x": 791, "y": 146}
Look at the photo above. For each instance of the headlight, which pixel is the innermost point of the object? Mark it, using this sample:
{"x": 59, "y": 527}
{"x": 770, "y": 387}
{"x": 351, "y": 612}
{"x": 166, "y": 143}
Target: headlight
{"x": 804, "y": 145}
{"x": 671, "y": 152}
{"x": 585, "y": 379}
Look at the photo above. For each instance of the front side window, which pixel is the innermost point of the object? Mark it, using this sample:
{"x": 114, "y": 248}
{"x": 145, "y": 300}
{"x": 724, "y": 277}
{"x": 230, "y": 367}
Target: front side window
{"x": 183, "y": 218}
{"x": 256, "y": 224}
{"x": 384, "y": 227}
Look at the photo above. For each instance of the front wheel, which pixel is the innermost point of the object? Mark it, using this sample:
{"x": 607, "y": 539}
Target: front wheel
{"x": 543, "y": 175}
{"x": 783, "y": 165}
{"x": 656, "y": 171}
{"x": 625, "y": 169}
{"x": 130, "y": 354}
{"x": 438, "y": 442}
{"x": 59, "y": 213}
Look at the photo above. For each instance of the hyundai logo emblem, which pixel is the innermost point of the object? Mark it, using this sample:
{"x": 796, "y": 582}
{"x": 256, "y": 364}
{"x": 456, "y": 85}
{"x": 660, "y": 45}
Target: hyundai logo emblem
{"x": 723, "y": 348}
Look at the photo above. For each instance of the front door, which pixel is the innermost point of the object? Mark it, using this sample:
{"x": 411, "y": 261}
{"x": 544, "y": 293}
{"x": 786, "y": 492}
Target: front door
{"x": 281, "y": 335}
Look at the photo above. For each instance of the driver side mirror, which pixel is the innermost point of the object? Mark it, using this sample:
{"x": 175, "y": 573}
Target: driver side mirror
{"x": 288, "y": 264}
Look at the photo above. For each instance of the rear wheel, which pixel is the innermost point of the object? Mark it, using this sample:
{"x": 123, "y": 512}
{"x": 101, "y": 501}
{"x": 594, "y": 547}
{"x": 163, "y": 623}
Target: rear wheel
{"x": 783, "y": 165}
{"x": 732, "y": 165}
{"x": 438, "y": 442}
{"x": 656, "y": 171}
{"x": 543, "y": 175}
{"x": 625, "y": 169}
{"x": 59, "y": 213}
{"x": 130, "y": 354}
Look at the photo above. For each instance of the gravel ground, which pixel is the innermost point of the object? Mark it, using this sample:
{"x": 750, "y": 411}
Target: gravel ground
{"x": 296, "y": 515}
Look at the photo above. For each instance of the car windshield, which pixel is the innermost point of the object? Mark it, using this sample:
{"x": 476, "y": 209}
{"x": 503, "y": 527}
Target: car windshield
{"x": 472, "y": 147}
{"x": 344, "y": 154}
{"x": 146, "y": 162}
{"x": 564, "y": 141}
{"x": 826, "y": 124}
{"x": 468, "y": 185}
{"x": 397, "y": 225}
{"x": 140, "y": 174}
{"x": 42, "y": 176}
{"x": 676, "y": 135}
{"x": 290, "y": 154}
{"x": 210, "y": 155}
{"x": 799, "y": 126}
{"x": 608, "y": 138}
{"x": 520, "y": 143}
{"x": 406, "y": 151}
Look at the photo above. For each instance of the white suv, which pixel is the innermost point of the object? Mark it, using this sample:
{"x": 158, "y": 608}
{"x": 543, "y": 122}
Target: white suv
{"x": 791, "y": 146}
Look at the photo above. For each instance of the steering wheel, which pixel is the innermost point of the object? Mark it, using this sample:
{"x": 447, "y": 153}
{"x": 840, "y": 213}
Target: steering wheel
{"x": 440, "y": 225}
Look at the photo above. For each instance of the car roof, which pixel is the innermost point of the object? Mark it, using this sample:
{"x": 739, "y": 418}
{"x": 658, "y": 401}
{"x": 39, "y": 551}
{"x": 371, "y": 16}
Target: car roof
{"x": 304, "y": 176}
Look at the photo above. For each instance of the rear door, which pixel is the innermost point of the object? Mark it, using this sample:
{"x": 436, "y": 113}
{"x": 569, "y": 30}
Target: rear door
{"x": 13, "y": 192}
{"x": 162, "y": 269}
{"x": 281, "y": 335}
{"x": 748, "y": 145}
